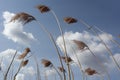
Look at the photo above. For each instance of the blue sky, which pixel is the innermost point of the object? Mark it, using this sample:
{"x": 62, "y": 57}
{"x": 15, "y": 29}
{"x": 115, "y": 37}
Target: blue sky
{"x": 105, "y": 14}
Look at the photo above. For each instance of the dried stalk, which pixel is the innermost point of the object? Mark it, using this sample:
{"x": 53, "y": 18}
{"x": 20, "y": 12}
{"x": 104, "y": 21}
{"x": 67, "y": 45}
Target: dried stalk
{"x": 6, "y": 74}
{"x": 61, "y": 31}
{"x": 82, "y": 46}
{"x": 107, "y": 48}
{"x": 37, "y": 65}
{"x": 79, "y": 64}
{"x": 114, "y": 41}
{"x": 72, "y": 73}
{"x": 22, "y": 64}
{"x": 54, "y": 43}
{"x": 44, "y": 8}
{"x": 57, "y": 72}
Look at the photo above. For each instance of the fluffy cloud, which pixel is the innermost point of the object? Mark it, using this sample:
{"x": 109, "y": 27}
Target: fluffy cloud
{"x": 85, "y": 57}
{"x": 20, "y": 77}
{"x": 14, "y": 30}
{"x": 28, "y": 70}
{"x": 49, "y": 72}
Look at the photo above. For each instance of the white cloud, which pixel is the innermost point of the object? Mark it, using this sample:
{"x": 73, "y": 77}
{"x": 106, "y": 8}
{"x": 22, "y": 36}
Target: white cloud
{"x": 14, "y": 30}
{"x": 20, "y": 77}
{"x": 50, "y": 72}
{"x": 28, "y": 70}
{"x": 85, "y": 57}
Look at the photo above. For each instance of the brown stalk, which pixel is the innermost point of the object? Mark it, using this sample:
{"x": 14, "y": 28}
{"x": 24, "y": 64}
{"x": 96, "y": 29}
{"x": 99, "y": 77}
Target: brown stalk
{"x": 79, "y": 64}
{"x": 72, "y": 74}
{"x": 22, "y": 64}
{"x": 37, "y": 65}
{"x": 6, "y": 74}
{"x": 112, "y": 40}
{"x": 71, "y": 20}
{"x": 61, "y": 31}
{"x": 38, "y": 70}
{"x": 54, "y": 43}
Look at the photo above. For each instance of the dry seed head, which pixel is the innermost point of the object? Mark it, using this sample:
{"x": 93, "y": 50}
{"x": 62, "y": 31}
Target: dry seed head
{"x": 24, "y": 63}
{"x": 46, "y": 63}
{"x": 90, "y": 71}
{"x": 67, "y": 58}
{"x": 43, "y": 8}
{"x": 81, "y": 45}
{"x": 26, "y": 51}
{"x": 61, "y": 69}
{"x": 70, "y": 20}
{"x": 26, "y": 18}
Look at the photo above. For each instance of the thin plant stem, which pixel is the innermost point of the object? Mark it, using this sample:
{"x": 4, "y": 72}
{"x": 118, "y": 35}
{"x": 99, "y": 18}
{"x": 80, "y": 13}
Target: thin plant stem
{"x": 6, "y": 74}
{"x": 54, "y": 43}
{"x": 61, "y": 31}
{"x": 98, "y": 61}
{"x": 1, "y": 66}
{"x": 72, "y": 73}
{"x": 57, "y": 72}
{"x": 114, "y": 41}
{"x": 79, "y": 64}
{"x": 46, "y": 77}
{"x": 18, "y": 70}
{"x": 109, "y": 51}
{"x": 12, "y": 72}
{"x": 37, "y": 65}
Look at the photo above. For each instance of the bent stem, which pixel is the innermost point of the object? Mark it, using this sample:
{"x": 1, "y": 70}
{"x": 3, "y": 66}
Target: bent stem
{"x": 114, "y": 41}
{"x": 5, "y": 76}
{"x": 72, "y": 73}
{"x": 37, "y": 65}
{"x": 98, "y": 61}
{"x": 79, "y": 64}
{"x": 61, "y": 31}
{"x": 109, "y": 51}
{"x": 54, "y": 43}
{"x": 18, "y": 70}
{"x": 1, "y": 67}
{"x": 57, "y": 72}
{"x": 45, "y": 74}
